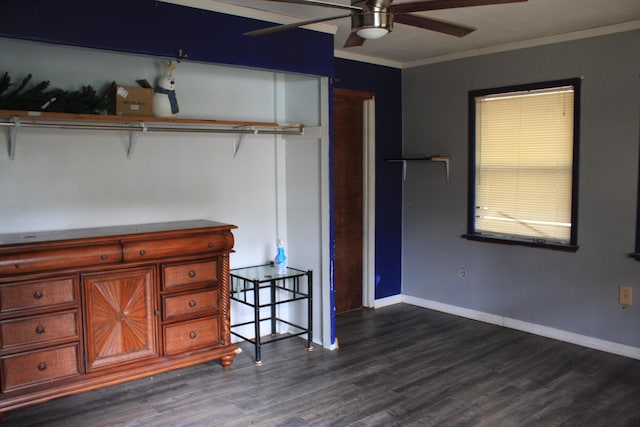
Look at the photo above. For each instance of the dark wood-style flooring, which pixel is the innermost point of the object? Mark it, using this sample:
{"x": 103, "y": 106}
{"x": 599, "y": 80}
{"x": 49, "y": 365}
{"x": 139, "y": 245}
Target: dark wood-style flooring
{"x": 396, "y": 366}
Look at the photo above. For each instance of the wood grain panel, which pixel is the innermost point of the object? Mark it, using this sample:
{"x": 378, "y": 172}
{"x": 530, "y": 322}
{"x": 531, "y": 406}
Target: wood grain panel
{"x": 190, "y": 304}
{"x": 180, "y": 275}
{"x": 348, "y": 196}
{"x": 19, "y": 262}
{"x": 38, "y": 330}
{"x": 30, "y": 369}
{"x": 140, "y": 250}
{"x": 38, "y": 294}
{"x": 120, "y": 316}
{"x": 188, "y": 336}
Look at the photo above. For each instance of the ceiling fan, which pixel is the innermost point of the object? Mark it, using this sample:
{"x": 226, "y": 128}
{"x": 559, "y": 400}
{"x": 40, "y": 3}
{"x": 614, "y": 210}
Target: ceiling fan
{"x": 372, "y": 19}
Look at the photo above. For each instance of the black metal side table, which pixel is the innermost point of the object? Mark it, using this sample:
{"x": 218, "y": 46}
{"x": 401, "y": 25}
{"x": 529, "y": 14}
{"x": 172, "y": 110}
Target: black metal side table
{"x": 246, "y": 286}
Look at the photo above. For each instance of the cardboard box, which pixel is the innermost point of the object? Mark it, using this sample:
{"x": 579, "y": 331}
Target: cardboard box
{"x": 134, "y": 101}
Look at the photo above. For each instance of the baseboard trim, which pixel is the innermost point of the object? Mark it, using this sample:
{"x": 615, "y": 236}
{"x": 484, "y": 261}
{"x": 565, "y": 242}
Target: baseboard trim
{"x": 533, "y": 328}
{"x": 383, "y": 302}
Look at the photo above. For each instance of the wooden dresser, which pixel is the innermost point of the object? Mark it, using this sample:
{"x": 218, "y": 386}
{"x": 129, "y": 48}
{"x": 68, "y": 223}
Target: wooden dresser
{"x": 87, "y": 308}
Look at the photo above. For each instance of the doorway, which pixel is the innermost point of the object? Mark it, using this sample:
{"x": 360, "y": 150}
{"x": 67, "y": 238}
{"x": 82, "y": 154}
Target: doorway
{"x": 352, "y": 220}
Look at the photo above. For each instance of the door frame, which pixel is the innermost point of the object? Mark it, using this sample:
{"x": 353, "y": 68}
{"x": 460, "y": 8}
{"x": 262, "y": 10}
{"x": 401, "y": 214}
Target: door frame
{"x": 329, "y": 336}
{"x": 369, "y": 204}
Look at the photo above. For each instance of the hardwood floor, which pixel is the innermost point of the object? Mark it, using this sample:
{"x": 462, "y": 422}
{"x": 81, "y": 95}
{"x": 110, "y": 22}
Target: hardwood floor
{"x": 396, "y": 366}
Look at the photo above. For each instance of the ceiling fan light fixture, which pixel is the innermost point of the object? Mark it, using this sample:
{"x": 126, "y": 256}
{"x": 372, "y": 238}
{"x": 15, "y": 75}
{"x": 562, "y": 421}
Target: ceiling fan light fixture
{"x": 372, "y": 33}
{"x": 372, "y": 24}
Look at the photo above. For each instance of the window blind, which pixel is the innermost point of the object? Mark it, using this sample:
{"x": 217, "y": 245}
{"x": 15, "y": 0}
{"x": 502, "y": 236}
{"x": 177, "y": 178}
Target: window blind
{"x": 524, "y": 161}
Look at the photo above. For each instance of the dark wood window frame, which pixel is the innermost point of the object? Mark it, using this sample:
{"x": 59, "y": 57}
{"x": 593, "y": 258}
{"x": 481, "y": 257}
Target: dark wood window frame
{"x": 471, "y": 234}
{"x": 636, "y": 253}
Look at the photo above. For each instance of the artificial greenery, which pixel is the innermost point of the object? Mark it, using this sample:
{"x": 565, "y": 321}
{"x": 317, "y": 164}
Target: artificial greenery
{"x": 40, "y": 97}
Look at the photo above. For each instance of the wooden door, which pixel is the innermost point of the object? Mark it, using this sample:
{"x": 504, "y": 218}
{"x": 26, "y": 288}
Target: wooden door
{"x": 120, "y": 317}
{"x": 348, "y": 126}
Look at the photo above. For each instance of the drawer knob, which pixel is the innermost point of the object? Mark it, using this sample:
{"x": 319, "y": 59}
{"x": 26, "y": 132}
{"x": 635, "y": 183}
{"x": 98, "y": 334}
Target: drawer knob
{"x": 37, "y": 295}
{"x": 158, "y": 313}
{"x": 142, "y": 252}
{"x": 192, "y": 303}
{"x": 192, "y": 335}
{"x": 103, "y": 257}
{"x": 192, "y": 274}
{"x": 42, "y": 366}
{"x": 40, "y": 329}
{"x": 210, "y": 244}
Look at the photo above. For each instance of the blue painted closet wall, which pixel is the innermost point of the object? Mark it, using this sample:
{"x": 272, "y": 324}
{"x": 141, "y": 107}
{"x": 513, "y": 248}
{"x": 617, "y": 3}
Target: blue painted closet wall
{"x": 386, "y": 84}
{"x": 162, "y": 29}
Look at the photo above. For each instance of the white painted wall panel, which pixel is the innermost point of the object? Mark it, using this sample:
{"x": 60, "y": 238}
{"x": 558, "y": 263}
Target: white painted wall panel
{"x": 63, "y": 179}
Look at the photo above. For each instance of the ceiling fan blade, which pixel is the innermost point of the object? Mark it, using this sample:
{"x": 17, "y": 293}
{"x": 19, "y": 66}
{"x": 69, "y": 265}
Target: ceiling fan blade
{"x": 321, "y": 3}
{"x": 424, "y": 5}
{"x": 433, "y": 25}
{"x": 354, "y": 40}
{"x": 283, "y": 27}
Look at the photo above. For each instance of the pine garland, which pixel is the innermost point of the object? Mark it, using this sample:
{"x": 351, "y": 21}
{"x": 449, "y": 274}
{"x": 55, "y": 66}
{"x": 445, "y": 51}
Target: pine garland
{"x": 40, "y": 98}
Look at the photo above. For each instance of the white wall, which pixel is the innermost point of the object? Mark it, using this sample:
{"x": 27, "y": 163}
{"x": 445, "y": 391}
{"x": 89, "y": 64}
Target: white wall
{"x": 63, "y": 179}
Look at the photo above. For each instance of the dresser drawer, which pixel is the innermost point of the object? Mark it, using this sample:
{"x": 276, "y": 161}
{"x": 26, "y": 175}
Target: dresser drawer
{"x": 177, "y": 275}
{"x": 38, "y": 294}
{"x": 139, "y": 250}
{"x": 30, "y": 331}
{"x": 188, "y": 336}
{"x": 38, "y": 367}
{"x": 186, "y": 305}
{"x": 58, "y": 258}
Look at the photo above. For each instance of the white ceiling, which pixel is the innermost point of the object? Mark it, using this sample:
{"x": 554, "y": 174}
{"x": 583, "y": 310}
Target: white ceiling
{"x": 499, "y": 27}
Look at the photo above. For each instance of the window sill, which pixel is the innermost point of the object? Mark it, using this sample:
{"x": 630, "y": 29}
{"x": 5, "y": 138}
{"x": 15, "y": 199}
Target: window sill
{"x": 513, "y": 241}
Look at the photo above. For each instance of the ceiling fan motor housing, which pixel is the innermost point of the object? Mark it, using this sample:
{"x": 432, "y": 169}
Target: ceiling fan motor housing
{"x": 373, "y": 18}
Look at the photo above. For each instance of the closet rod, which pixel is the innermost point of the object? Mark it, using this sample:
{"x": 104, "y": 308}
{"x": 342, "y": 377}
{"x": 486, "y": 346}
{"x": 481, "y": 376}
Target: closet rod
{"x": 146, "y": 128}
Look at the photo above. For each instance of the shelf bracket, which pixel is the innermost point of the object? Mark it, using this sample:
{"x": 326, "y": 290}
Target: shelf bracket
{"x": 444, "y": 159}
{"x": 13, "y": 137}
{"x": 133, "y": 138}
{"x": 238, "y": 138}
{"x": 404, "y": 168}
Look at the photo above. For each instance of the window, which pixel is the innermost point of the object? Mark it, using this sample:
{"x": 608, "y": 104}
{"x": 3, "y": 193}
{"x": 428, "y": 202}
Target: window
{"x": 523, "y": 165}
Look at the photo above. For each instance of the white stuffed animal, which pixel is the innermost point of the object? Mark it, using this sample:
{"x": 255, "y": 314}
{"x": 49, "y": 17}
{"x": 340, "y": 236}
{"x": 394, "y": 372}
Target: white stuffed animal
{"x": 165, "y": 103}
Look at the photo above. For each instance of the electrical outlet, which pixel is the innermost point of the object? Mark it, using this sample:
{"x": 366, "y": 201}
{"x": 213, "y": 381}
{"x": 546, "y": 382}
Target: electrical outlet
{"x": 625, "y": 295}
{"x": 462, "y": 272}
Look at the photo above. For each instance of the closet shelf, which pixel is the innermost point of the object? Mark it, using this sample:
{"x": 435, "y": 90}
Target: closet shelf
{"x": 135, "y": 125}
{"x": 444, "y": 159}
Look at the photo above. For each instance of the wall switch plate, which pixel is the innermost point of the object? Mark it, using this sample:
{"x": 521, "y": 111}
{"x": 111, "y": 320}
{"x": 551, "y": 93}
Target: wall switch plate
{"x": 462, "y": 272}
{"x": 625, "y": 295}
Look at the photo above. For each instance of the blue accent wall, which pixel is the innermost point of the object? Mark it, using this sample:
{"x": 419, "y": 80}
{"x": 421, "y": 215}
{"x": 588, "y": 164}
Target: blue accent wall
{"x": 386, "y": 84}
{"x": 162, "y": 29}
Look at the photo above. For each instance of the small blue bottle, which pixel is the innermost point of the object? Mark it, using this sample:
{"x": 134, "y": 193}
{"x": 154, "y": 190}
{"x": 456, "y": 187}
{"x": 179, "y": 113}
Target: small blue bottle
{"x": 280, "y": 261}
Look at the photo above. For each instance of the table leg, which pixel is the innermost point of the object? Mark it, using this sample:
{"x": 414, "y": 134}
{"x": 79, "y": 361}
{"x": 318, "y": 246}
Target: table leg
{"x": 256, "y": 307}
{"x": 273, "y": 306}
{"x": 310, "y": 311}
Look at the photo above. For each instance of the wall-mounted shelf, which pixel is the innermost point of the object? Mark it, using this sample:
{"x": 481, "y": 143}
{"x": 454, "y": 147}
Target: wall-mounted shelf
{"x": 136, "y": 125}
{"x": 444, "y": 159}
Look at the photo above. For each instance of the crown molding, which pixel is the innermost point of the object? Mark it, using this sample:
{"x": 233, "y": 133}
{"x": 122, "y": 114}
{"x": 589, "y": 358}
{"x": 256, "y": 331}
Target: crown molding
{"x": 560, "y": 38}
{"x": 247, "y": 12}
{"x": 368, "y": 59}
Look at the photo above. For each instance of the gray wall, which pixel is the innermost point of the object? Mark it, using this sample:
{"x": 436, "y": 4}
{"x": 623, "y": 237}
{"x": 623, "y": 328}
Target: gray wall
{"x": 573, "y": 292}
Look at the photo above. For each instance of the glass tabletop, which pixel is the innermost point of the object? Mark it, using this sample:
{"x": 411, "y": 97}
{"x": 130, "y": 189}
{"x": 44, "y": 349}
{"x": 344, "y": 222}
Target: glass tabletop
{"x": 264, "y": 273}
